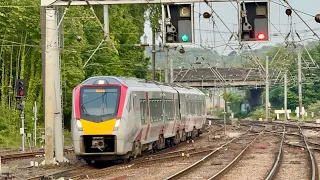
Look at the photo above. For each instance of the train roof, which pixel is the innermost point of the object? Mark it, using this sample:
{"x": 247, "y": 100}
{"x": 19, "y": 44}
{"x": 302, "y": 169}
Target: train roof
{"x": 135, "y": 82}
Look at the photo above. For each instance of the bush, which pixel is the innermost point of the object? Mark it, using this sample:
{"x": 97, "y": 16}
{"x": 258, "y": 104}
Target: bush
{"x": 10, "y": 124}
{"x": 241, "y": 115}
{"x": 258, "y": 113}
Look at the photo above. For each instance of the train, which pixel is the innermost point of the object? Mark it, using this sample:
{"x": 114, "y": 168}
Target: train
{"x": 119, "y": 118}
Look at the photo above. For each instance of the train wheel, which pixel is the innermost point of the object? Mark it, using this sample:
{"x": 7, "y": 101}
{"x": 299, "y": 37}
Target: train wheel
{"x": 194, "y": 133}
{"x": 177, "y": 138}
{"x": 136, "y": 149}
{"x": 161, "y": 142}
{"x": 184, "y": 136}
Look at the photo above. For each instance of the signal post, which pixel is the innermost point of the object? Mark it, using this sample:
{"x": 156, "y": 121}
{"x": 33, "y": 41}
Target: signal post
{"x": 21, "y": 92}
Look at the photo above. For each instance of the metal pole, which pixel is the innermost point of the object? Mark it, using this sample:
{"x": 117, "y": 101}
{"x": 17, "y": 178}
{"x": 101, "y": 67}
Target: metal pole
{"x": 35, "y": 123}
{"x": 58, "y": 135}
{"x": 213, "y": 97}
{"x": 106, "y": 18}
{"x": 267, "y": 88}
{"x": 153, "y": 54}
{"x": 300, "y": 84}
{"x": 22, "y": 125}
{"x": 166, "y": 77}
{"x": 48, "y": 28}
{"x": 225, "y": 110}
{"x": 285, "y": 96}
{"x": 218, "y": 100}
{"x": 160, "y": 75}
{"x": 171, "y": 71}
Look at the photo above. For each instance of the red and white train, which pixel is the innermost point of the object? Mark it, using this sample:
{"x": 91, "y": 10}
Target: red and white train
{"x": 117, "y": 118}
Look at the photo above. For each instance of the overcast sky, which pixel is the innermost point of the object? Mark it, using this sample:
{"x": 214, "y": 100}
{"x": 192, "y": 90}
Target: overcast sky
{"x": 228, "y": 13}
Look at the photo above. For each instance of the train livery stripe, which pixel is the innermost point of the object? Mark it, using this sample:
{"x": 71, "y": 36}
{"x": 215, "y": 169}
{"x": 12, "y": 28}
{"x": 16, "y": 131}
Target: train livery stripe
{"x": 77, "y": 102}
{"x": 123, "y": 93}
{"x": 93, "y": 128}
{"x": 138, "y": 138}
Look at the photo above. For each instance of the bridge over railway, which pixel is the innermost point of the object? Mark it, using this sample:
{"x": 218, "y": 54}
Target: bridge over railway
{"x": 219, "y": 77}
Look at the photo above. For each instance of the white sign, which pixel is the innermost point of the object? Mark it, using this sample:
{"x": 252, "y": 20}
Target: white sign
{"x": 297, "y": 111}
{"x": 21, "y": 131}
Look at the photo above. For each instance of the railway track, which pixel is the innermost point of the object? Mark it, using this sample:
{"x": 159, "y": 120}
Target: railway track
{"x": 195, "y": 166}
{"x": 15, "y": 156}
{"x": 163, "y": 155}
{"x": 300, "y": 141}
{"x": 275, "y": 168}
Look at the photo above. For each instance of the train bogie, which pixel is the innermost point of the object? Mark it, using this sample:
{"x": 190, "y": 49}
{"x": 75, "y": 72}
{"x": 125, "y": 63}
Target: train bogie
{"x": 115, "y": 118}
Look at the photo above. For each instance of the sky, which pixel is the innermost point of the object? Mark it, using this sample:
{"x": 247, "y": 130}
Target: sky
{"x": 279, "y": 24}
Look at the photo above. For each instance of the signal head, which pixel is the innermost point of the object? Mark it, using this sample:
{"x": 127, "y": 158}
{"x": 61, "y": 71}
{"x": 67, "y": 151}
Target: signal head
{"x": 317, "y": 18}
{"x": 206, "y": 15}
{"x": 21, "y": 93}
{"x": 184, "y": 38}
{"x": 288, "y": 12}
{"x": 261, "y": 36}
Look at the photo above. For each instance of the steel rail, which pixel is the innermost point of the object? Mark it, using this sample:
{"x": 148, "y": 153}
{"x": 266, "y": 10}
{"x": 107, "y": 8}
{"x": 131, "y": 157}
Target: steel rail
{"x": 159, "y": 155}
{"x": 276, "y": 164}
{"x": 10, "y": 157}
{"x": 236, "y": 159}
{"x": 314, "y": 171}
{"x": 201, "y": 161}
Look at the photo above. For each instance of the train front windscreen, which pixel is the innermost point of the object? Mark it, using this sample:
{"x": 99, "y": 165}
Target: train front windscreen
{"x": 99, "y": 104}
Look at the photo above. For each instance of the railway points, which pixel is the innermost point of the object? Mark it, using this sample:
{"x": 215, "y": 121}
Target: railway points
{"x": 273, "y": 141}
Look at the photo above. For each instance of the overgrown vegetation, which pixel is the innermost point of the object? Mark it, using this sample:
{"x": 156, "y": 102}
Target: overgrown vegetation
{"x": 20, "y": 55}
{"x": 287, "y": 60}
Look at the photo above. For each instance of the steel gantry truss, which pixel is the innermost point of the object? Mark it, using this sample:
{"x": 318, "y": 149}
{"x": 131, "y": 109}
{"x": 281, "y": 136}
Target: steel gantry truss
{"x": 109, "y": 2}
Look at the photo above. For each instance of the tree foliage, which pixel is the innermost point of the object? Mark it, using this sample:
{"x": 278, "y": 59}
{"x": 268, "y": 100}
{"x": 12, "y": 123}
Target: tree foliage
{"x": 20, "y": 54}
{"x": 286, "y": 60}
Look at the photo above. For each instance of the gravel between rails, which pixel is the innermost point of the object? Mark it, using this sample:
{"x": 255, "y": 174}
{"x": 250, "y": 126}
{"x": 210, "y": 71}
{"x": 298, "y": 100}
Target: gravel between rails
{"x": 166, "y": 168}
{"x": 295, "y": 163}
{"x": 220, "y": 159}
{"x": 259, "y": 159}
{"x": 21, "y": 169}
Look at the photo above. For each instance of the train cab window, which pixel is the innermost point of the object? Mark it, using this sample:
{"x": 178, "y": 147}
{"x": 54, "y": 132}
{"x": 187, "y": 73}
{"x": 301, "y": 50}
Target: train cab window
{"x": 99, "y": 103}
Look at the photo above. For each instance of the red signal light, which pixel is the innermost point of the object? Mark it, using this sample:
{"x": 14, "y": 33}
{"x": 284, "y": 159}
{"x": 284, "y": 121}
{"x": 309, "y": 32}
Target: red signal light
{"x": 21, "y": 93}
{"x": 261, "y": 36}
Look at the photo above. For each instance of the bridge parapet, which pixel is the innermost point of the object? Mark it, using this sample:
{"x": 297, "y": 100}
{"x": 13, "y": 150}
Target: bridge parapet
{"x": 207, "y": 77}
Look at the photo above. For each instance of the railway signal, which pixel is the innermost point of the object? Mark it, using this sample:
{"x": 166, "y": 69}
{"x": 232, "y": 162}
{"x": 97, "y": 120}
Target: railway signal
{"x": 317, "y": 18}
{"x": 254, "y": 22}
{"x": 21, "y": 88}
{"x": 178, "y": 24}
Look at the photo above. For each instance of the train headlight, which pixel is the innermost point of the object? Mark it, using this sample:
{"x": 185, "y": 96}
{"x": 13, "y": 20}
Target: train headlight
{"x": 117, "y": 124}
{"x": 79, "y": 125}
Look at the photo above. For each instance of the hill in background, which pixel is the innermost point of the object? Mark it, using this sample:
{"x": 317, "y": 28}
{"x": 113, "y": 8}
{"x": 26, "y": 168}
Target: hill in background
{"x": 192, "y": 55}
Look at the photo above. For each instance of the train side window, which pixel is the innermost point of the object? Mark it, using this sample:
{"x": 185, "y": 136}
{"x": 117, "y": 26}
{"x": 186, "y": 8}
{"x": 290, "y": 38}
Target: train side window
{"x": 177, "y": 110}
{"x": 143, "y": 111}
{"x": 169, "y": 108}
